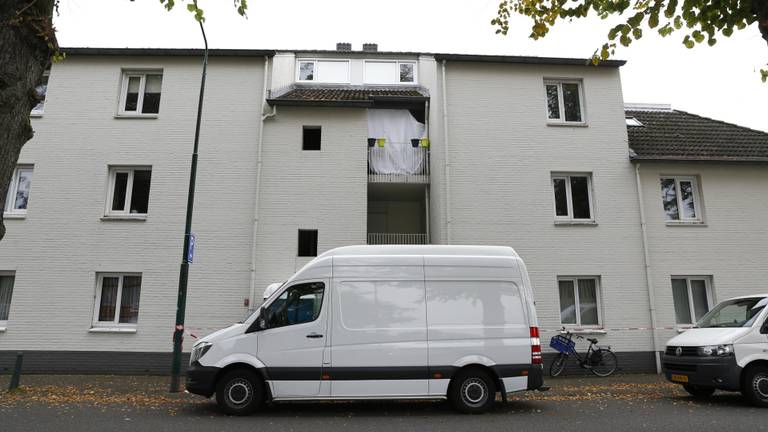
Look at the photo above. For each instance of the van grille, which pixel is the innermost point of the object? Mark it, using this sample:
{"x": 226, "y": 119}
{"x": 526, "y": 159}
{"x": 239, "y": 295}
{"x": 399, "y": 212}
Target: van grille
{"x": 680, "y": 367}
{"x": 687, "y": 351}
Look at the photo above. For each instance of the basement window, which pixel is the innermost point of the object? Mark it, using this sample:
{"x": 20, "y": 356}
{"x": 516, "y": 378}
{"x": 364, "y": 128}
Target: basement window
{"x": 307, "y": 243}
{"x": 311, "y": 138}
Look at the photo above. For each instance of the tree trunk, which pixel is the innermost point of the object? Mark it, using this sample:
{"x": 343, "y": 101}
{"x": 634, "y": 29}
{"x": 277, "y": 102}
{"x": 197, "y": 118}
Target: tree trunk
{"x": 761, "y": 10}
{"x": 27, "y": 42}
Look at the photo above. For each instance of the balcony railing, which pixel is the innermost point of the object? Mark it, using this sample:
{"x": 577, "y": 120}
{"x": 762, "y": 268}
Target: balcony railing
{"x": 397, "y": 239}
{"x": 398, "y": 163}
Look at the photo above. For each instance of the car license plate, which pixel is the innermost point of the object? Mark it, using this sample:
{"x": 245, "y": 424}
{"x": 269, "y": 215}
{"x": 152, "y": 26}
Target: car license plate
{"x": 679, "y": 378}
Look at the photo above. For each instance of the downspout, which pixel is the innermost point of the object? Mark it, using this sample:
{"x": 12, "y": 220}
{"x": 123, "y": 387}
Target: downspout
{"x": 429, "y": 163}
{"x": 647, "y": 259}
{"x": 257, "y": 193}
{"x": 448, "y": 221}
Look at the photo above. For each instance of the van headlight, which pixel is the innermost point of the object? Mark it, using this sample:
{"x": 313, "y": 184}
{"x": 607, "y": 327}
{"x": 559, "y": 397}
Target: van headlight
{"x": 199, "y": 350}
{"x": 716, "y": 351}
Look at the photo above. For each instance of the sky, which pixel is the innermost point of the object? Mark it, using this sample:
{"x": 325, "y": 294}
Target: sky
{"x": 721, "y": 82}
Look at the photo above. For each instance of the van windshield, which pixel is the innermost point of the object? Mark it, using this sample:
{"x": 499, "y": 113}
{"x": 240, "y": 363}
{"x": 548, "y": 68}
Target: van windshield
{"x": 734, "y": 313}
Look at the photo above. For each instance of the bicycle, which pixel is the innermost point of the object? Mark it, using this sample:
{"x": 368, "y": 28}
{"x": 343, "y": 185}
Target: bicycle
{"x": 599, "y": 359}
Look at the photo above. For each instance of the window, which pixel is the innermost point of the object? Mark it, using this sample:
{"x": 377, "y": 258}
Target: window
{"x": 141, "y": 93}
{"x": 296, "y": 305}
{"x": 311, "y": 138}
{"x": 6, "y": 292}
{"x": 691, "y": 298}
{"x": 117, "y": 299}
{"x": 390, "y": 72}
{"x": 307, "y": 243}
{"x": 564, "y": 102}
{"x": 41, "y": 90}
{"x": 128, "y": 191}
{"x": 579, "y": 301}
{"x": 325, "y": 71}
{"x": 17, "y": 200}
{"x": 573, "y": 197}
{"x": 680, "y": 197}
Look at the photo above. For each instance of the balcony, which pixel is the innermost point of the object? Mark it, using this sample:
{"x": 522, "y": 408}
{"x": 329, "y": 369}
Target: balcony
{"x": 392, "y": 162}
{"x": 397, "y": 239}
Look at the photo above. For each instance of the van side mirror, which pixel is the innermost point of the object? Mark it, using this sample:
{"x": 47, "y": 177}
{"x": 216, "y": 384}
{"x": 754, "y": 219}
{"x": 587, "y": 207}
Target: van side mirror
{"x": 260, "y": 323}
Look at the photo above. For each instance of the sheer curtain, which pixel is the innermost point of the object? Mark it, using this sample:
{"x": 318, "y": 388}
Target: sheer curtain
{"x": 567, "y": 302}
{"x": 680, "y": 298}
{"x": 129, "y": 300}
{"x": 108, "y": 298}
{"x": 6, "y": 291}
{"x": 588, "y": 301}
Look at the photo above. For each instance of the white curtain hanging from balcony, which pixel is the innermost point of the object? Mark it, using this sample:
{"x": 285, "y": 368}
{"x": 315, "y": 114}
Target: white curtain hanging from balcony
{"x": 397, "y": 128}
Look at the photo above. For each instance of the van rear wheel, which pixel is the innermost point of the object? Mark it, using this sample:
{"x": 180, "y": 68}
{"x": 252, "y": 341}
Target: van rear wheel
{"x": 239, "y": 392}
{"x": 472, "y": 391}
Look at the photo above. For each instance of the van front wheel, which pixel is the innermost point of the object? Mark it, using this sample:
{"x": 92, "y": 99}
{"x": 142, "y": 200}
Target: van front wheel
{"x": 472, "y": 391}
{"x": 755, "y": 385}
{"x": 239, "y": 392}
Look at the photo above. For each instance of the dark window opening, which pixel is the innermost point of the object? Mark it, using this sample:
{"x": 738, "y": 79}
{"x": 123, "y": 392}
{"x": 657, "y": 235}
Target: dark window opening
{"x": 311, "y": 138}
{"x": 307, "y": 243}
{"x": 140, "y": 195}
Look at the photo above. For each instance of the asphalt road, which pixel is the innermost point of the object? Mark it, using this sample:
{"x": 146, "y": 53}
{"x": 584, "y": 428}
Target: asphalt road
{"x": 621, "y": 403}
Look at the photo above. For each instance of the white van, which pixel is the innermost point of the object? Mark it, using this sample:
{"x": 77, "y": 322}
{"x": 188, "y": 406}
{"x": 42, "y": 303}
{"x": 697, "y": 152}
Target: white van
{"x": 727, "y": 350}
{"x": 382, "y": 322}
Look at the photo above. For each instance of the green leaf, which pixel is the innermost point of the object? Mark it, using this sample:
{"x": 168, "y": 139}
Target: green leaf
{"x": 698, "y": 36}
{"x": 191, "y": 7}
{"x": 637, "y": 33}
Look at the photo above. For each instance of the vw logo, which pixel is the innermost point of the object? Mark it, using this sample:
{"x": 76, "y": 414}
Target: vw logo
{"x": 679, "y": 351}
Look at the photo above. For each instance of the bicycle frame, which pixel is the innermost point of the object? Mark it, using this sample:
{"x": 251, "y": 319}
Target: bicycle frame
{"x": 582, "y": 361}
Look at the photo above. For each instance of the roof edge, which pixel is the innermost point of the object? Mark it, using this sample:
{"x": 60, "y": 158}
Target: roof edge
{"x": 154, "y": 52}
{"x": 562, "y": 61}
{"x": 717, "y": 159}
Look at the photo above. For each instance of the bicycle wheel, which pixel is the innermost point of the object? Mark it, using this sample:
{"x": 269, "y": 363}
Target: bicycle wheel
{"x": 603, "y": 362}
{"x": 558, "y": 364}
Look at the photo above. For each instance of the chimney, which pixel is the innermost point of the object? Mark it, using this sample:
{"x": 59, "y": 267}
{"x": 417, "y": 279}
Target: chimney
{"x": 343, "y": 46}
{"x": 370, "y": 47}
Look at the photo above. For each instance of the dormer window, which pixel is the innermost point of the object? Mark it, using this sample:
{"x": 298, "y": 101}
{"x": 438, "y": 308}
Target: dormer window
{"x": 390, "y": 72}
{"x": 331, "y": 71}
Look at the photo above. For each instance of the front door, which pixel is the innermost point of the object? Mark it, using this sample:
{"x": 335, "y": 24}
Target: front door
{"x": 292, "y": 344}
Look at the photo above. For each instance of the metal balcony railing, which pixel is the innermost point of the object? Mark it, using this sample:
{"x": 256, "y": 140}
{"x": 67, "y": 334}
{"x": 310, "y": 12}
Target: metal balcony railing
{"x": 397, "y": 239}
{"x": 398, "y": 163}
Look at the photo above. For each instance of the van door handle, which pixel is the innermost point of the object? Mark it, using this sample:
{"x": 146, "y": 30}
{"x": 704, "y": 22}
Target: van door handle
{"x": 314, "y": 335}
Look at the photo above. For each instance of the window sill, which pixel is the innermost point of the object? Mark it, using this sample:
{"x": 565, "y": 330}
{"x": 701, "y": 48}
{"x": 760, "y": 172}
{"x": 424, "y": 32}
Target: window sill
{"x": 688, "y": 224}
{"x": 15, "y": 215}
{"x": 3, "y": 329}
{"x": 36, "y": 114}
{"x": 583, "y": 331}
{"x": 136, "y": 116}
{"x": 129, "y": 330}
{"x": 134, "y": 218}
{"x": 575, "y": 223}
{"x": 567, "y": 124}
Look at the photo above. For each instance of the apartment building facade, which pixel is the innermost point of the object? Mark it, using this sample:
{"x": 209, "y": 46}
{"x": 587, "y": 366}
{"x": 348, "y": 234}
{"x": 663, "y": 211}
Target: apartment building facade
{"x": 304, "y": 151}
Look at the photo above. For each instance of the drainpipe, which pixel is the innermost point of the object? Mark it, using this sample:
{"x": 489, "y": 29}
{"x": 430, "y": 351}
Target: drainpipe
{"x": 259, "y": 146}
{"x": 448, "y": 220}
{"x": 647, "y": 259}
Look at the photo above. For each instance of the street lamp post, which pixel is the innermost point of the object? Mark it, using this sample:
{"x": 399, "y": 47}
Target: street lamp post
{"x": 181, "y": 302}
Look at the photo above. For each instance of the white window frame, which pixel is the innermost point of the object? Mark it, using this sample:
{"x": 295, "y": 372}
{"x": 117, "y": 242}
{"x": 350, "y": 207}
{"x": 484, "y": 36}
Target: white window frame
{"x": 126, "y": 212}
{"x": 4, "y": 323}
{"x": 707, "y": 283}
{"x": 561, "y": 103}
{"x": 569, "y": 197}
{"x": 115, "y": 323}
{"x": 142, "y": 74}
{"x": 679, "y": 196}
{"x": 10, "y": 198}
{"x": 40, "y": 112}
{"x": 577, "y": 303}
{"x": 316, "y": 73}
{"x": 396, "y": 80}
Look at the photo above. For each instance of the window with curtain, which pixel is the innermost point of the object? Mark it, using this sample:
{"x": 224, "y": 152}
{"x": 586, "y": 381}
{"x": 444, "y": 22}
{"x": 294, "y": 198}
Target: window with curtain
{"x": 691, "y": 298}
{"x": 117, "y": 299}
{"x": 579, "y": 301}
{"x": 140, "y": 93}
{"x": 6, "y": 292}
{"x": 680, "y": 199}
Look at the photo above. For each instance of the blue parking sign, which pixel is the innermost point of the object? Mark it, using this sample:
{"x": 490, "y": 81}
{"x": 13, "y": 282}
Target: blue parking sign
{"x": 191, "y": 249}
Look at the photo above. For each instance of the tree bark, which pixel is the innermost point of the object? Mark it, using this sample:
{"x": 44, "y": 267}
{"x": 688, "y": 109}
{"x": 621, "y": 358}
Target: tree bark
{"x": 761, "y": 10}
{"x": 27, "y": 42}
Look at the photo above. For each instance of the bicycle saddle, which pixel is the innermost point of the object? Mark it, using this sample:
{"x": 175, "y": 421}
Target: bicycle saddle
{"x": 594, "y": 341}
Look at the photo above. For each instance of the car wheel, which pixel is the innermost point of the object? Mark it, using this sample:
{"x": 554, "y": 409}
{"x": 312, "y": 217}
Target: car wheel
{"x": 755, "y": 385}
{"x": 699, "y": 392}
{"x": 239, "y": 392}
{"x": 472, "y": 391}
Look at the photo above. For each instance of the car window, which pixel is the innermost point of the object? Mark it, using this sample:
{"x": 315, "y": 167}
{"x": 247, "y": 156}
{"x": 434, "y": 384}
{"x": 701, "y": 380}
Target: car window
{"x": 296, "y": 305}
{"x": 734, "y": 313}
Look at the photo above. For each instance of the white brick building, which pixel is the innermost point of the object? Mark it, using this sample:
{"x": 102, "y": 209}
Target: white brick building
{"x": 527, "y": 152}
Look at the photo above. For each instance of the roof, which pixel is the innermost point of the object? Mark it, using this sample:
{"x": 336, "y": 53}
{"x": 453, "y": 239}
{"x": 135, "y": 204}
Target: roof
{"x": 560, "y": 61}
{"x": 157, "y": 52}
{"x": 674, "y": 135}
{"x": 350, "y": 96}
{"x": 429, "y": 250}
